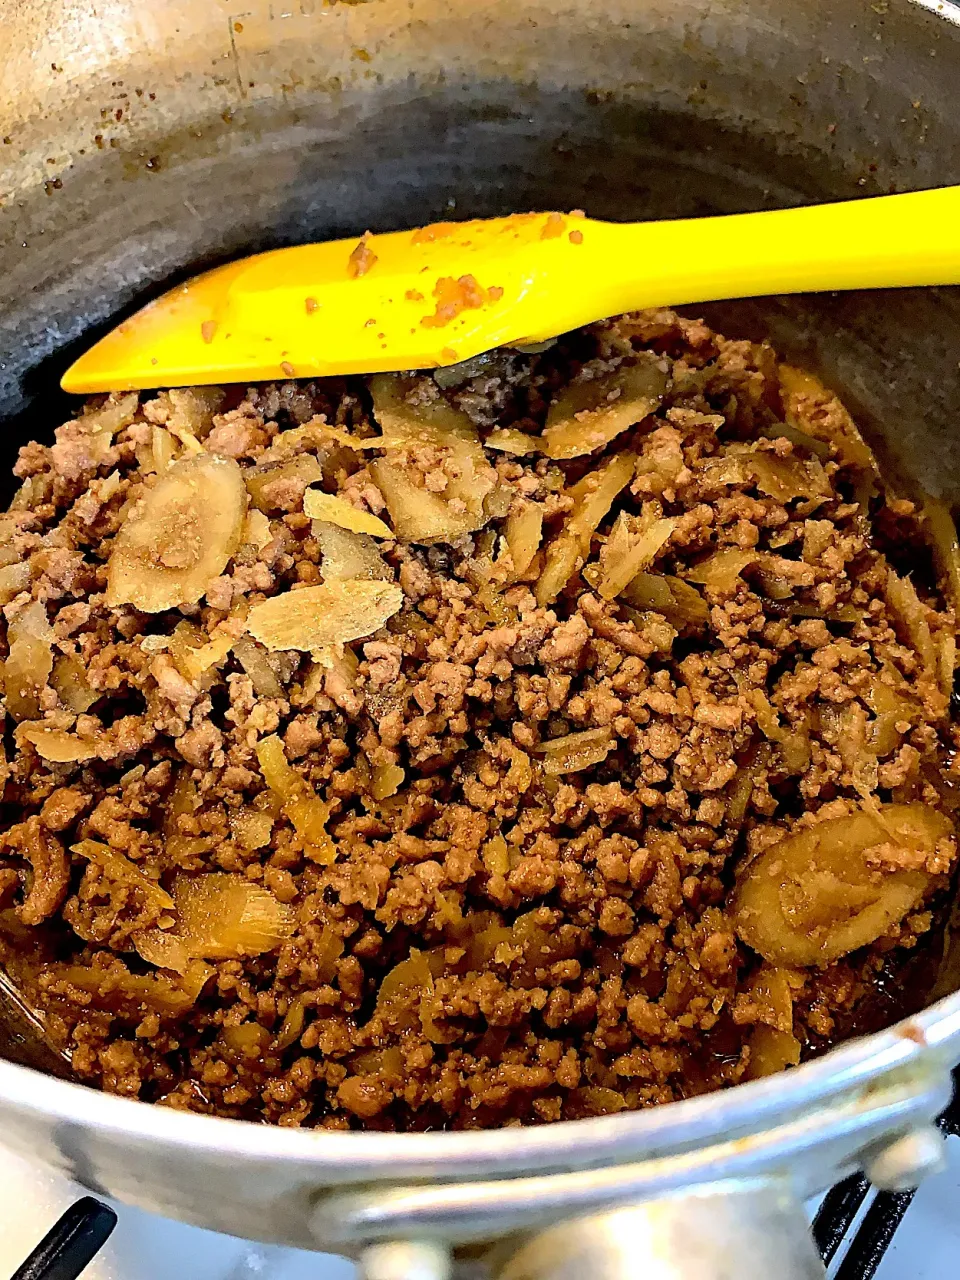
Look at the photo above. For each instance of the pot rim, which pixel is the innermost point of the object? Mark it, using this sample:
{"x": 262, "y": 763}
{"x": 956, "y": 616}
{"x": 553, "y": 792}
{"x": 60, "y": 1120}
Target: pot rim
{"x": 748, "y": 1107}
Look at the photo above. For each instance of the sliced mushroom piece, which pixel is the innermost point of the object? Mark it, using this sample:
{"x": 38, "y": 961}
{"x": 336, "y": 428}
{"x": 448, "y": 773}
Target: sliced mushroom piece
{"x": 819, "y": 894}
{"x": 946, "y": 547}
{"x": 783, "y": 478}
{"x": 403, "y": 416}
{"x": 498, "y": 502}
{"x": 256, "y": 529}
{"x": 799, "y": 439}
{"x": 417, "y": 514}
{"x": 116, "y": 412}
{"x": 257, "y": 666}
{"x": 510, "y": 440}
{"x": 194, "y": 652}
{"x": 179, "y": 535}
{"x": 720, "y": 570}
{"x": 192, "y": 409}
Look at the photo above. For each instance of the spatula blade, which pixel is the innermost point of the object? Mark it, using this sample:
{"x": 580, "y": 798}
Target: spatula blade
{"x": 403, "y": 300}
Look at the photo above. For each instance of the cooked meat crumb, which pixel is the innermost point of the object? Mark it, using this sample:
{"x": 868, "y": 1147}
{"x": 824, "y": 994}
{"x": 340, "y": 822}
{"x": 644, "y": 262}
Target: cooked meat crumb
{"x": 361, "y": 258}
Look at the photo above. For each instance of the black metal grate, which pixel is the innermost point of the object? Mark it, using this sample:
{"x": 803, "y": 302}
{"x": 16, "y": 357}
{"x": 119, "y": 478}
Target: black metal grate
{"x": 71, "y": 1243}
{"x": 878, "y": 1225}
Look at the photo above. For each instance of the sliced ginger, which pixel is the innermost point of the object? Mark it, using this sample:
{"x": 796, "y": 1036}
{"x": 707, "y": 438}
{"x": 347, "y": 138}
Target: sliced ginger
{"x": 417, "y": 513}
{"x": 328, "y": 506}
{"x": 822, "y": 893}
{"x": 179, "y": 536}
{"x": 588, "y": 414}
{"x": 593, "y": 497}
{"x": 333, "y": 613}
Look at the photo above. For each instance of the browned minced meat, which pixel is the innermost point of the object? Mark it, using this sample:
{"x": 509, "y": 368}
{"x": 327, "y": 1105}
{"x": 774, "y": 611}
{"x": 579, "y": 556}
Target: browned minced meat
{"x": 568, "y": 941}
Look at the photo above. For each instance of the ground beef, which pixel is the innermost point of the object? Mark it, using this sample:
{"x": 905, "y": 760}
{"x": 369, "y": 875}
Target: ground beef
{"x": 489, "y": 929}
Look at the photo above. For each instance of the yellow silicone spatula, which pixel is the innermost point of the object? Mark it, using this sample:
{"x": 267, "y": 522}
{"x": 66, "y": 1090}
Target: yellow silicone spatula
{"x": 420, "y": 299}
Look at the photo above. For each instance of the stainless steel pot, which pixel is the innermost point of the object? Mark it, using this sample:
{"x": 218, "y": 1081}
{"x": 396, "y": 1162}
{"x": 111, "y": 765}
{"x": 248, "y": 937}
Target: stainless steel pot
{"x": 141, "y": 141}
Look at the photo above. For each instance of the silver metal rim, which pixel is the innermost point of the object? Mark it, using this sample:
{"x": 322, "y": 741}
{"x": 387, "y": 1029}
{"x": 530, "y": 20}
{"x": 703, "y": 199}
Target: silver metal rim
{"x": 567, "y": 1144}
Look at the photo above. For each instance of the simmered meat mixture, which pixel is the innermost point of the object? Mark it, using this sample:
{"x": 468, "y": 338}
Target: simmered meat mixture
{"x": 563, "y": 732}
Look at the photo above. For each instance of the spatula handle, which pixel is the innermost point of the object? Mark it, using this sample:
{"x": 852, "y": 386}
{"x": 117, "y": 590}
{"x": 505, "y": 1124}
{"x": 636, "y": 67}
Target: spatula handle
{"x": 881, "y": 242}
